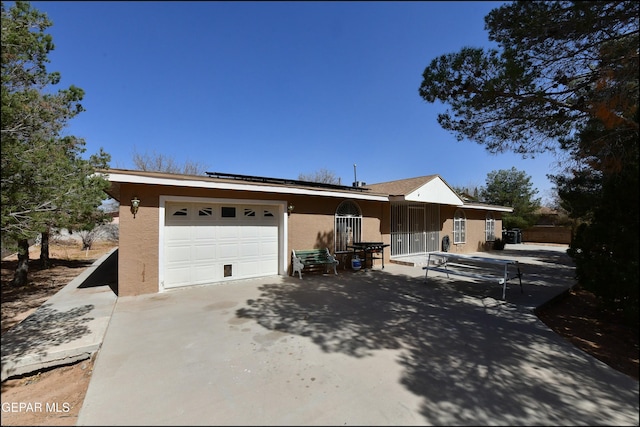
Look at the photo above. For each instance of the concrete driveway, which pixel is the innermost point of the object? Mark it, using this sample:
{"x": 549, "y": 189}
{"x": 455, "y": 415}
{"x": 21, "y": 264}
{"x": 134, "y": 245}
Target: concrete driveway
{"x": 380, "y": 347}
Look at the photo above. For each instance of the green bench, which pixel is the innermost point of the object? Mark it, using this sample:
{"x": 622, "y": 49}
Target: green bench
{"x": 311, "y": 260}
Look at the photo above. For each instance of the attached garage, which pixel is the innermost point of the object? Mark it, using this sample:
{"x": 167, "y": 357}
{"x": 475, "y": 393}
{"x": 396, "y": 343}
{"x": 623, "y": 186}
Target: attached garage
{"x": 207, "y": 241}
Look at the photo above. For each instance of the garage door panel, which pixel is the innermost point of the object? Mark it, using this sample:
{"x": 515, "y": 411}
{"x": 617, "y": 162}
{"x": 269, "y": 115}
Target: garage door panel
{"x": 178, "y": 275}
{"x": 177, "y": 229}
{"x": 269, "y": 248}
{"x": 204, "y": 253}
{"x": 178, "y": 242}
{"x": 256, "y": 231}
{"x": 248, "y": 231}
{"x": 201, "y": 249}
{"x": 250, "y": 268}
{"x": 177, "y": 254}
{"x": 268, "y": 232}
{"x": 249, "y": 250}
{"x": 269, "y": 266}
{"x": 226, "y": 231}
{"x": 257, "y": 268}
{"x": 228, "y": 251}
{"x": 204, "y": 232}
{"x": 206, "y": 273}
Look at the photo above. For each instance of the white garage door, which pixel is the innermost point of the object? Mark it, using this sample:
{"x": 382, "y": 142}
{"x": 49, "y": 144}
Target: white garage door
{"x": 211, "y": 242}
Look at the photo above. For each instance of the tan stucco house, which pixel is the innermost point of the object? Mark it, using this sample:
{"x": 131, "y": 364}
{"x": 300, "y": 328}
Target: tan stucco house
{"x": 195, "y": 230}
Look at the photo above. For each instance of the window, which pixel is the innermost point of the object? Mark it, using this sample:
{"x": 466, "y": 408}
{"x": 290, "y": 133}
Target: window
{"x": 205, "y": 211}
{"x": 228, "y": 212}
{"x": 459, "y": 227}
{"x": 348, "y": 225}
{"x": 490, "y": 227}
{"x": 180, "y": 212}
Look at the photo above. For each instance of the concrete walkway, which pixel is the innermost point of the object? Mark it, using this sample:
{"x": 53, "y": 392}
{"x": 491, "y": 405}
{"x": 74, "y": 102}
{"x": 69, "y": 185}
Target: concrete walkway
{"x": 68, "y": 327}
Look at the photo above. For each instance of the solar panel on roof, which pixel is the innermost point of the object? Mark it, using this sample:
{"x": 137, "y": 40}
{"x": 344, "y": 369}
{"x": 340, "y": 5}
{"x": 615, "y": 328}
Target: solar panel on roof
{"x": 283, "y": 181}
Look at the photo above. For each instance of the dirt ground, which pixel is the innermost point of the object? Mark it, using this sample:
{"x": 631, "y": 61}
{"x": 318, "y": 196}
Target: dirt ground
{"x": 54, "y": 397}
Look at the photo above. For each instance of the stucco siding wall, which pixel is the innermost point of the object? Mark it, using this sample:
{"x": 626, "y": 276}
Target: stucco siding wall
{"x": 138, "y": 246}
{"x": 373, "y": 215}
{"x": 310, "y": 225}
{"x": 310, "y": 231}
{"x": 476, "y": 224}
{"x": 475, "y": 230}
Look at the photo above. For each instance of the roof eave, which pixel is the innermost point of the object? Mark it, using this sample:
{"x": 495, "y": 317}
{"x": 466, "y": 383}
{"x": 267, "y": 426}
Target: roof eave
{"x": 209, "y": 183}
{"x": 486, "y": 207}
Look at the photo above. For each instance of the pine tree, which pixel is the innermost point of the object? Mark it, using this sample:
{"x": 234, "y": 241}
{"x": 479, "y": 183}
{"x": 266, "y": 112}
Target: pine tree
{"x": 45, "y": 180}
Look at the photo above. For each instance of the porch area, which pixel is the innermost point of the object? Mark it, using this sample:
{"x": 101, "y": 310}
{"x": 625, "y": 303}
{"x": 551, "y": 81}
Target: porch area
{"x": 411, "y": 260}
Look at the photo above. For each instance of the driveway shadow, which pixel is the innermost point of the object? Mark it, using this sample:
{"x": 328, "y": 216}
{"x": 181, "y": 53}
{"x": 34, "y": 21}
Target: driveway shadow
{"x": 472, "y": 357}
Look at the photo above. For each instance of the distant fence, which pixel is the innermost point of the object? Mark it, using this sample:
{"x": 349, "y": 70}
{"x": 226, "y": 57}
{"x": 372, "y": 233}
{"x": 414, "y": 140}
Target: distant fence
{"x": 547, "y": 234}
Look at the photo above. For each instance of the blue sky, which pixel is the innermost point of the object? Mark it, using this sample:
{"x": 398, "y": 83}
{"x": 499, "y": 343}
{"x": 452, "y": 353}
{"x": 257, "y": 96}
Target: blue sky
{"x": 274, "y": 88}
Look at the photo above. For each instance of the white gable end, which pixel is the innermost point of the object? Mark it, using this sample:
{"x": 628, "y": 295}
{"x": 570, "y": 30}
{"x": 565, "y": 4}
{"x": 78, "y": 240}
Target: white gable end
{"x": 435, "y": 191}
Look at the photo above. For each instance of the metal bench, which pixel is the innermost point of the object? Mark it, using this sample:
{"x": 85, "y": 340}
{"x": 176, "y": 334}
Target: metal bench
{"x": 312, "y": 259}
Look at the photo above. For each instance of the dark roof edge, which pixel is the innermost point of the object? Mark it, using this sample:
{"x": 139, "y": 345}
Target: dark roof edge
{"x": 284, "y": 181}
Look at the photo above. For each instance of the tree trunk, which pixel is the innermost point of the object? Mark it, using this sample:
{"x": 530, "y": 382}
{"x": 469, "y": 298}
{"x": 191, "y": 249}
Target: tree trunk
{"x": 20, "y": 276}
{"x": 44, "y": 250}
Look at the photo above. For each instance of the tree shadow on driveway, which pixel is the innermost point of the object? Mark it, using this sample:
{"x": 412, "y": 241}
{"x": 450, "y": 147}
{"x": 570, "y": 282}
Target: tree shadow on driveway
{"x": 472, "y": 357}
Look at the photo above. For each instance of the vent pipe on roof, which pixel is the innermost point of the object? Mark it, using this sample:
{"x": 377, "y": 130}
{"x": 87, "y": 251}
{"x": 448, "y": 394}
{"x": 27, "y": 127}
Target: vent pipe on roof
{"x": 357, "y": 183}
